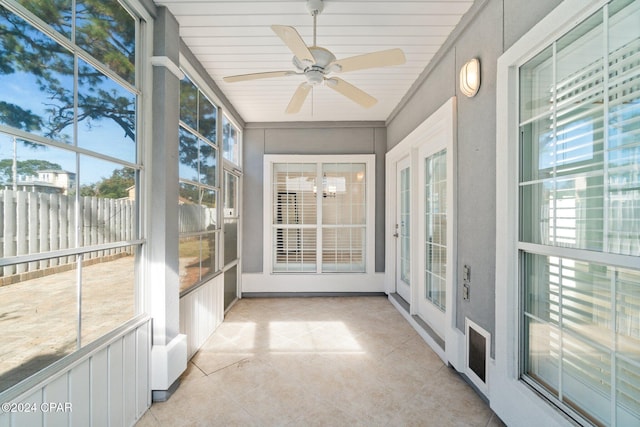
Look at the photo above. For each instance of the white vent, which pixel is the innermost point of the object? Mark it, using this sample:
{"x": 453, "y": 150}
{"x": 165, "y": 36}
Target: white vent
{"x": 477, "y": 355}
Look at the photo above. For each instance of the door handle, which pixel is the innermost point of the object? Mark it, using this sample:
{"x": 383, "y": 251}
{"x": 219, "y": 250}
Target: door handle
{"x": 395, "y": 234}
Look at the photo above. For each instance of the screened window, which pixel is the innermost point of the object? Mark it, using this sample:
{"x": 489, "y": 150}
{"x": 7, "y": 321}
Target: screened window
{"x": 230, "y": 141}
{"x": 319, "y": 216}
{"x": 198, "y": 216}
{"x": 69, "y": 179}
{"x": 231, "y": 216}
{"x": 231, "y": 229}
{"x": 579, "y": 196}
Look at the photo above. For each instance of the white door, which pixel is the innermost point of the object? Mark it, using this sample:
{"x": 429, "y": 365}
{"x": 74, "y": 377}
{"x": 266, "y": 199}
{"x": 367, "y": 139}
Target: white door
{"x": 402, "y": 229}
{"x": 433, "y": 234}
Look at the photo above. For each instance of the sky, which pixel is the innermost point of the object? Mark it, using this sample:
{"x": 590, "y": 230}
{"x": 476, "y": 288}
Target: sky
{"x": 104, "y": 136}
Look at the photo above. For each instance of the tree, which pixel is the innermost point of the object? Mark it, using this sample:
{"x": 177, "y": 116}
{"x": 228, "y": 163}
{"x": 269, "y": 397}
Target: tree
{"x": 88, "y": 190}
{"x": 24, "y": 168}
{"x": 116, "y": 186}
{"x": 105, "y": 30}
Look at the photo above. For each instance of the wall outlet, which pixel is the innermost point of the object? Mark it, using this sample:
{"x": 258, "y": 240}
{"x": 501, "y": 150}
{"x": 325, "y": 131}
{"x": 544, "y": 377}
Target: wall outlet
{"x": 465, "y": 291}
{"x": 466, "y": 273}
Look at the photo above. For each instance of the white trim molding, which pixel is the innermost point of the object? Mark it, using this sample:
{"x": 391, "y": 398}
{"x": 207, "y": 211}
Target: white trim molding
{"x": 166, "y": 62}
{"x": 482, "y": 385}
{"x": 168, "y": 362}
{"x": 513, "y": 401}
{"x": 268, "y": 281}
{"x": 313, "y": 283}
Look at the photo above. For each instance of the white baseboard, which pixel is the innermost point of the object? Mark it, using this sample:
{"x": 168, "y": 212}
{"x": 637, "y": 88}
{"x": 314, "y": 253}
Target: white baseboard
{"x": 288, "y": 283}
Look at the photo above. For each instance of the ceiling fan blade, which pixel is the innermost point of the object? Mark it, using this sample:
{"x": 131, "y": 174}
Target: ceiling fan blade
{"x": 294, "y": 42}
{"x": 383, "y": 58}
{"x": 350, "y": 91}
{"x": 255, "y": 76}
{"x": 298, "y": 98}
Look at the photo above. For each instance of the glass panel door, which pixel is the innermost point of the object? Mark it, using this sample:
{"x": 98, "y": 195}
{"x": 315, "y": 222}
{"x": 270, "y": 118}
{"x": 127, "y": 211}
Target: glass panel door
{"x": 433, "y": 235}
{"x": 435, "y": 217}
{"x": 231, "y": 213}
{"x": 403, "y": 230}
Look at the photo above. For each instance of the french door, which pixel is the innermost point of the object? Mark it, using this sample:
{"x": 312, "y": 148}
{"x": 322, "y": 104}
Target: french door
{"x": 402, "y": 231}
{"x": 433, "y": 265}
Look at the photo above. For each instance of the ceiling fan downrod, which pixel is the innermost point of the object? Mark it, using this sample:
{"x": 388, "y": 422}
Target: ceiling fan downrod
{"x": 315, "y": 7}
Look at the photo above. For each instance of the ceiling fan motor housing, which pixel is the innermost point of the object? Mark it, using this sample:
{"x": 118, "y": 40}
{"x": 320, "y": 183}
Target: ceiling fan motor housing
{"x": 323, "y": 57}
{"x": 315, "y": 72}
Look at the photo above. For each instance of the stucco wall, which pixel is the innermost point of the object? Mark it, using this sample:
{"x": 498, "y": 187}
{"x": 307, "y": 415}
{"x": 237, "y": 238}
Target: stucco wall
{"x": 304, "y": 138}
{"x": 490, "y": 27}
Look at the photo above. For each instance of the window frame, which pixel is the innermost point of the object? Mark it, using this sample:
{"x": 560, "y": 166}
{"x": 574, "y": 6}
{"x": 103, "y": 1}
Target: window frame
{"x": 217, "y": 233}
{"x": 193, "y": 72}
{"x": 318, "y": 160}
{"x": 232, "y": 165}
{"x": 141, "y": 89}
{"x": 237, "y": 216}
{"x": 512, "y": 399}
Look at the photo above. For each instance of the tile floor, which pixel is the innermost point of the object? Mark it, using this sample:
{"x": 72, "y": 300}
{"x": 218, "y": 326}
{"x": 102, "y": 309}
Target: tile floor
{"x": 343, "y": 361}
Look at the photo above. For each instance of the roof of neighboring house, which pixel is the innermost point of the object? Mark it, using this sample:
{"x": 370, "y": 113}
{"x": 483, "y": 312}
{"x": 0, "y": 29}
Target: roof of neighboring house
{"x": 58, "y": 171}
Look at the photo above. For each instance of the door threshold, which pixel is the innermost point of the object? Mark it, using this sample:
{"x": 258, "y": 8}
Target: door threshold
{"x": 416, "y": 321}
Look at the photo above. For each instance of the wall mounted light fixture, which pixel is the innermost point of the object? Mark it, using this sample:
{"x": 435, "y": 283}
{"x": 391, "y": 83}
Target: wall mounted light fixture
{"x": 470, "y": 77}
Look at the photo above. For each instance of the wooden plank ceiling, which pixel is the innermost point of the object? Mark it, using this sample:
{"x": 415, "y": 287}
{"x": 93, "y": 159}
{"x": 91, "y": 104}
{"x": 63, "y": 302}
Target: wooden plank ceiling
{"x": 235, "y": 37}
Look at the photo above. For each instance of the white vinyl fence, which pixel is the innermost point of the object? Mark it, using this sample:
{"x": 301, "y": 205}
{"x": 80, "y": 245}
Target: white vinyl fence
{"x": 193, "y": 218}
{"x": 36, "y": 222}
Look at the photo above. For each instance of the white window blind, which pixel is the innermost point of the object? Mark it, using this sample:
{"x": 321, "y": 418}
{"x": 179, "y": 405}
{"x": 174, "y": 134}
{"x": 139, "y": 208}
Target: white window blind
{"x": 319, "y": 217}
{"x": 580, "y": 194}
{"x": 294, "y": 217}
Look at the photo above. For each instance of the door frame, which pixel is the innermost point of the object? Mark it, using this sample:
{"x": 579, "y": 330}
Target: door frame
{"x": 441, "y": 121}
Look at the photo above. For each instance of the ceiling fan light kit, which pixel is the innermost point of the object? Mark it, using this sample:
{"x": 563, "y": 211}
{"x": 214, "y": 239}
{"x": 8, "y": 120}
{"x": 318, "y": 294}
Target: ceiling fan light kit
{"x": 316, "y": 63}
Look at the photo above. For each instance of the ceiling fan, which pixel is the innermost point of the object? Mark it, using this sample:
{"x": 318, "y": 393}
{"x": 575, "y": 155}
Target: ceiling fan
{"x": 317, "y": 63}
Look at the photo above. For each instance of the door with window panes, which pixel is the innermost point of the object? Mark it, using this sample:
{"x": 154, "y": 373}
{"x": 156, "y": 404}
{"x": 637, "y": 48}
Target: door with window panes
{"x": 231, "y": 214}
{"x": 434, "y": 265}
{"x": 231, "y": 209}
